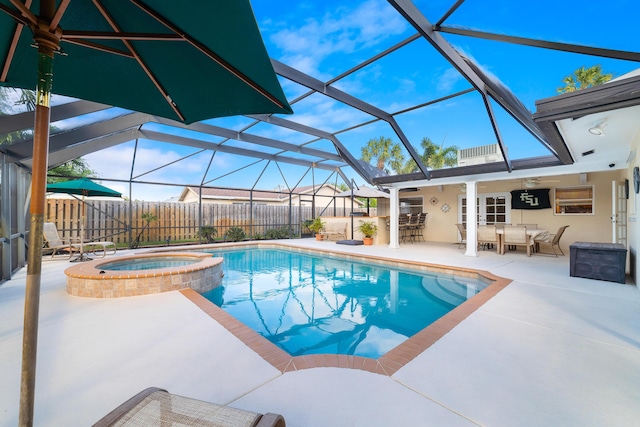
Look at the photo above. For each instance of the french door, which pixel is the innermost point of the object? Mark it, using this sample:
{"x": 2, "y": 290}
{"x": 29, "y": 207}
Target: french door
{"x": 619, "y": 193}
{"x": 492, "y": 208}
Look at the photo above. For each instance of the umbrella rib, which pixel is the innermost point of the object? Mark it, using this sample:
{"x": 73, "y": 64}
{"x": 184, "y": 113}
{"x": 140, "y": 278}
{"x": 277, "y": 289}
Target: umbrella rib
{"x": 23, "y": 8}
{"x": 208, "y": 52}
{"x": 105, "y": 35}
{"x": 137, "y": 57}
{"x": 21, "y": 22}
{"x": 97, "y": 46}
{"x": 17, "y": 16}
{"x": 58, "y": 15}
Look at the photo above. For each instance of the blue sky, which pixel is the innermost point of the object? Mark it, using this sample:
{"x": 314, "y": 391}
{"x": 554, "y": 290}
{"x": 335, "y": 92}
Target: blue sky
{"x": 326, "y": 38}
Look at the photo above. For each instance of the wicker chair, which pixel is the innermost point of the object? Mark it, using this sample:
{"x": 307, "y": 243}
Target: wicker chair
{"x": 157, "y": 407}
{"x": 516, "y": 236}
{"x": 487, "y": 236}
{"x": 553, "y": 240}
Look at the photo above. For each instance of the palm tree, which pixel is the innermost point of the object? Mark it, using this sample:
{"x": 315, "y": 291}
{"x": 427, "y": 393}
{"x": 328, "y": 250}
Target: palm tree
{"x": 435, "y": 157}
{"x": 409, "y": 166}
{"x": 387, "y": 154}
{"x": 583, "y": 78}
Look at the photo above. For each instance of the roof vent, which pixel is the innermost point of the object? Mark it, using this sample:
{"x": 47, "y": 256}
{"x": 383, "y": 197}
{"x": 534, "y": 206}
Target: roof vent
{"x": 586, "y": 153}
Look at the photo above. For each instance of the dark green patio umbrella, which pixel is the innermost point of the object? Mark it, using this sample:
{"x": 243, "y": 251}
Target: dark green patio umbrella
{"x": 86, "y": 188}
{"x": 82, "y": 187}
{"x": 187, "y": 61}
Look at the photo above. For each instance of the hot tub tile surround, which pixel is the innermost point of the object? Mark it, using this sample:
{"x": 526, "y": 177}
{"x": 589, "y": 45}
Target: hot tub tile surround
{"x": 87, "y": 279}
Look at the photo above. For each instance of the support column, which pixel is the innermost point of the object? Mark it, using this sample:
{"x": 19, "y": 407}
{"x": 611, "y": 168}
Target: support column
{"x": 472, "y": 219}
{"x": 394, "y": 207}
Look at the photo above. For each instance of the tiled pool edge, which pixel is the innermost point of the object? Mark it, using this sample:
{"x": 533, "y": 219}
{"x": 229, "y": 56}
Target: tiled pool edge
{"x": 387, "y": 364}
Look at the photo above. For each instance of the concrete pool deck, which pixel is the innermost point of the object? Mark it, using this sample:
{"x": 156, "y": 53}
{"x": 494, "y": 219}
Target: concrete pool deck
{"x": 549, "y": 349}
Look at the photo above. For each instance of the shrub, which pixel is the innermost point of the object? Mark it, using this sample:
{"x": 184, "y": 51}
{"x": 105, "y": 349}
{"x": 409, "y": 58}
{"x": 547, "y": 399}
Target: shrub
{"x": 207, "y": 232}
{"x": 235, "y": 234}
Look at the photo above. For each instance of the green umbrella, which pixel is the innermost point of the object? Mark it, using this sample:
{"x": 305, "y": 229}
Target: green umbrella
{"x": 184, "y": 61}
{"x": 85, "y": 188}
{"x": 187, "y": 61}
{"x": 82, "y": 187}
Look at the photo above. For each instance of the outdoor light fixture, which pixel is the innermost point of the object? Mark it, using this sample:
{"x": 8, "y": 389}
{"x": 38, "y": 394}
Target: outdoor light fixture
{"x": 598, "y": 129}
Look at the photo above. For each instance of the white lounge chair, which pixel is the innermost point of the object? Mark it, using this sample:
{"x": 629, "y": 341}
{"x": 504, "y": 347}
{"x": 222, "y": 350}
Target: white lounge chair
{"x": 157, "y": 407}
{"x": 55, "y": 243}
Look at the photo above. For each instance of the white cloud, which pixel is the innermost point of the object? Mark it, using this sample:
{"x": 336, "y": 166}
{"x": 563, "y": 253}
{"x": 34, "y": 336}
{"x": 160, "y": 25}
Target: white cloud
{"x": 448, "y": 79}
{"x": 343, "y": 31}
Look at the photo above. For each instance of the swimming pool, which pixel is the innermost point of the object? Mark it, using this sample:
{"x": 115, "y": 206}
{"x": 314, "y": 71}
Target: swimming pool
{"x": 310, "y": 304}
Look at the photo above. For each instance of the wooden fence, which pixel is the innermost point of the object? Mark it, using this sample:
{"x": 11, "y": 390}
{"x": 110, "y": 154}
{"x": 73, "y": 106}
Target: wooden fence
{"x": 122, "y": 221}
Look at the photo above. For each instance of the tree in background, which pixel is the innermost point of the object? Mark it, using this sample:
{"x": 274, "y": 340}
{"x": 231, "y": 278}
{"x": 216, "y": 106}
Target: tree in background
{"x": 435, "y": 157}
{"x": 386, "y": 154}
{"x": 584, "y": 78}
{"x": 77, "y": 168}
{"x": 9, "y": 98}
{"x": 409, "y": 166}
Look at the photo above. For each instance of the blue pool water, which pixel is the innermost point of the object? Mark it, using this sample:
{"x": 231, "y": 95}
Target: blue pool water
{"x": 148, "y": 263}
{"x": 317, "y": 305}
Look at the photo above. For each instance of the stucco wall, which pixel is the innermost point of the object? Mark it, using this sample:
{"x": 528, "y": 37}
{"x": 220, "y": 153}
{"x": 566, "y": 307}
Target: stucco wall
{"x": 593, "y": 228}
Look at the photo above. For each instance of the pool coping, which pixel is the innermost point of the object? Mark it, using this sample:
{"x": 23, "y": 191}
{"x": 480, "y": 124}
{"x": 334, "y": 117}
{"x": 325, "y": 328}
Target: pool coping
{"x": 387, "y": 364}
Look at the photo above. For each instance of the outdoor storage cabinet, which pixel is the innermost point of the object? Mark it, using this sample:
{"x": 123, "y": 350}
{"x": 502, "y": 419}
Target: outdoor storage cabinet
{"x": 601, "y": 261}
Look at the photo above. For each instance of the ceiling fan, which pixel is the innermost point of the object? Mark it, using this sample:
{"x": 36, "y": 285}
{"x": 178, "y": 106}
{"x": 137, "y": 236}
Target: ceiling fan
{"x": 535, "y": 181}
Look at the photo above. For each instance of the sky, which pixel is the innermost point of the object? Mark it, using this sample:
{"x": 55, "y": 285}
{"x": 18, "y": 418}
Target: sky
{"x": 326, "y": 38}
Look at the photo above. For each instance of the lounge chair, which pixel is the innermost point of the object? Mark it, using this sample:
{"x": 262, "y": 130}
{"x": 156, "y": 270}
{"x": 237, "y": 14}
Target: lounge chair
{"x": 553, "y": 240}
{"x": 157, "y": 407}
{"x": 55, "y": 243}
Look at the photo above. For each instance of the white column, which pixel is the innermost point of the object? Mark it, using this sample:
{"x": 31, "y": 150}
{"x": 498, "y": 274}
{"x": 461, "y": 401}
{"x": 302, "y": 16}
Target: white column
{"x": 394, "y": 207}
{"x": 472, "y": 221}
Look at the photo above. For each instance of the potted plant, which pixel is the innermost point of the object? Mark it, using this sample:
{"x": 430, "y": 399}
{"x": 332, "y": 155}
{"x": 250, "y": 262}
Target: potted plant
{"x": 317, "y": 225}
{"x": 368, "y": 229}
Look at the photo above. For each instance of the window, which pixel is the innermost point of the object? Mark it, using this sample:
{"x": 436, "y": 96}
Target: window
{"x": 410, "y": 205}
{"x": 574, "y": 200}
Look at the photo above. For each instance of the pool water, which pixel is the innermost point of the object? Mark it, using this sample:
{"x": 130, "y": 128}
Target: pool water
{"x": 309, "y": 304}
{"x": 148, "y": 263}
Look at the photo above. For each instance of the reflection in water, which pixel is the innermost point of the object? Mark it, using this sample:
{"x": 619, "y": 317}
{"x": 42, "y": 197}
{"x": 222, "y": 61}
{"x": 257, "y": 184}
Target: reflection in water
{"x": 311, "y": 304}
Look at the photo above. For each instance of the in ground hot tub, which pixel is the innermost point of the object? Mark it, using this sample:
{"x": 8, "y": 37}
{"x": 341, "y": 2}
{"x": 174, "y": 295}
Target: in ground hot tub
{"x": 132, "y": 275}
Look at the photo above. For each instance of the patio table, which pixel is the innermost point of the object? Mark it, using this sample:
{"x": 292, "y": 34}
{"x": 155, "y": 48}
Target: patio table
{"x": 531, "y": 234}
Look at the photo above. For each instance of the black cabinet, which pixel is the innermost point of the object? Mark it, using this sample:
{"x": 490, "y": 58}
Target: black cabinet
{"x": 600, "y": 261}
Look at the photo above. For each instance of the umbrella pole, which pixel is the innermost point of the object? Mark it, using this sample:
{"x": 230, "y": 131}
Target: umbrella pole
{"x": 47, "y": 44}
